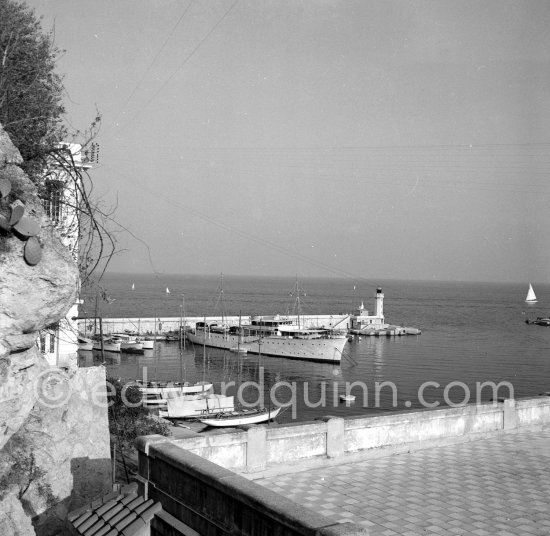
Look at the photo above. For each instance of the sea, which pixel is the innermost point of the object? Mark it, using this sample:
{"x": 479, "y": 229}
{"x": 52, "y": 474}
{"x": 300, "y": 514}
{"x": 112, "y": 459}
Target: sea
{"x": 475, "y": 344}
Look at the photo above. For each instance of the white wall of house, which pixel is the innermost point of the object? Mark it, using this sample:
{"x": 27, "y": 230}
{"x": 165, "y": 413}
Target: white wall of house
{"x": 59, "y": 344}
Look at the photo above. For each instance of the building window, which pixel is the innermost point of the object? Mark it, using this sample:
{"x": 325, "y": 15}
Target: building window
{"x": 52, "y": 199}
{"x": 53, "y": 333}
{"x": 42, "y": 341}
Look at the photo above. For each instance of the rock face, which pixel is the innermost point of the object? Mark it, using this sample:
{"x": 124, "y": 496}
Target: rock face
{"x": 54, "y": 441}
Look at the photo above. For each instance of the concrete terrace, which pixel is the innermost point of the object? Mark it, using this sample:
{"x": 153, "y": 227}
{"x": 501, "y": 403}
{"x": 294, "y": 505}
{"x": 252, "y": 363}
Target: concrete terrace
{"x": 494, "y": 486}
{"x": 479, "y": 469}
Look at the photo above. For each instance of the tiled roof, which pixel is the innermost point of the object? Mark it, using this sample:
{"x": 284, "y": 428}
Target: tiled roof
{"x": 121, "y": 513}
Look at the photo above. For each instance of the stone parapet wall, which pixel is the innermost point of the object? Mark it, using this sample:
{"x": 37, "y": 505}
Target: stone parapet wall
{"x": 262, "y": 450}
{"x": 205, "y": 481}
{"x": 213, "y": 500}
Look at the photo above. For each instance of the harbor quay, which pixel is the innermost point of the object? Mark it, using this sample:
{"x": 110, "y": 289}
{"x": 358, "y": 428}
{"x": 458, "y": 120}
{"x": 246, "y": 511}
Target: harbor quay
{"x": 163, "y": 326}
{"x": 360, "y": 322}
{"x": 167, "y": 325}
{"x": 479, "y": 469}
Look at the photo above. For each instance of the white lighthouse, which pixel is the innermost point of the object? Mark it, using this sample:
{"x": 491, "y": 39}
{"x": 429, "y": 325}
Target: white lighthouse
{"x": 362, "y": 322}
{"x": 379, "y": 304}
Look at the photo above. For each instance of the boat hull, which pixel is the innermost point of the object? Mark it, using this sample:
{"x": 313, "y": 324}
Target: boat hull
{"x": 85, "y": 344}
{"x": 539, "y": 322}
{"x": 240, "y": 418}
{"x": 153, "y": 388}
{"x": 195, "y": 406}
{"x": 315, "y": 349}
{"x": 107, "y": 346}
{"x": 134, "y": 348}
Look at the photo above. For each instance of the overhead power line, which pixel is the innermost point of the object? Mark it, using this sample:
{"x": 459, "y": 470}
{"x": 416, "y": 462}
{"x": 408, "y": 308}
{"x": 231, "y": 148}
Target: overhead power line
{"x": 140, "y": 81}
{"x": 187, "y": 58}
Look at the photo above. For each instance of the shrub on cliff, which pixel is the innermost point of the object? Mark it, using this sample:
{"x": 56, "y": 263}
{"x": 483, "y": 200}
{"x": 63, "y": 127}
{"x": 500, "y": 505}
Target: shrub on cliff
{"x": 31, "y": 106}
{"x": 128, "y": 418}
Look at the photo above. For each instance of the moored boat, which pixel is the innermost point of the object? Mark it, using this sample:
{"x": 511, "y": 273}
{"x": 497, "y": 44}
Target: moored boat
{"x": 197, "y": 406}
{"x": 172, "y": 388}
{"x": 275, "y": 336}
{"x": 239, "y": 418}
{"x": 540, "y": 321}
{"x": 85, "y": 344}
{"x": 128, "y": 343}
{"x": 148, "y": 344}
{"x": 109, "y": 345}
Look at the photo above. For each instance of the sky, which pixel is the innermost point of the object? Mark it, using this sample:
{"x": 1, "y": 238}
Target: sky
{"x": 375, "y": 139}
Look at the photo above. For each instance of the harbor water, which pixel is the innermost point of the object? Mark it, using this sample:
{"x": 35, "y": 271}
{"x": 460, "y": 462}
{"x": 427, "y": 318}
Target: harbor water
{"x": 472, "y": 333}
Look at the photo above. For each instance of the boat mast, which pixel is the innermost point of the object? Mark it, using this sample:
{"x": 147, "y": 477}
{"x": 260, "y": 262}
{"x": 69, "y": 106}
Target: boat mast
{"x": 98, "y": 316}
{"x": 240, "y": 335}
{"x": 181, "y": 345}
{"x": 204, "y": 357}
{"x": 221, "y": 300}
{"x": 182, "y": 317}
{"x": 297, "y": 305}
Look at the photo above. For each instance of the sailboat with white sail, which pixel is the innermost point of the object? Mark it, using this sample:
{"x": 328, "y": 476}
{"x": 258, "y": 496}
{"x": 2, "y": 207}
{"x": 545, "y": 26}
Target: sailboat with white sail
{"x": 531, "y": 297}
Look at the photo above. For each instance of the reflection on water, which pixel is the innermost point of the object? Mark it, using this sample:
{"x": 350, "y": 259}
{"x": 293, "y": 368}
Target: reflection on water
{"x": 471, "y": 333}
{"x": 312, "y": 389}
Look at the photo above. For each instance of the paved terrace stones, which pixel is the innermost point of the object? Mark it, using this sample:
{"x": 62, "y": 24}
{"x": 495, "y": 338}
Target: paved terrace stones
{"x": 494, "y": 486}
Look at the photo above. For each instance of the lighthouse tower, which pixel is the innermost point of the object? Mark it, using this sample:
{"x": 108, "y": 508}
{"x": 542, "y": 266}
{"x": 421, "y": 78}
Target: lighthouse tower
{"x": 379, "y": 304}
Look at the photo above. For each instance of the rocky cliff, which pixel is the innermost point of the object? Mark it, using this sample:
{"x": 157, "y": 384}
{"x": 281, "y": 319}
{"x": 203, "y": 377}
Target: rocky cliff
{"x": 54, "y": 441}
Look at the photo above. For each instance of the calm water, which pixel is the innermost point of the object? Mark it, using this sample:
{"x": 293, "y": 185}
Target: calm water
{"x": 471, "y": 332}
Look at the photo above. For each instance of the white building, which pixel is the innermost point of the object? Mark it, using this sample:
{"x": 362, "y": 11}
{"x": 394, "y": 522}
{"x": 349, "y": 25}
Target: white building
{"x": 59, "y": 342}
{"x": 362, "y": 321}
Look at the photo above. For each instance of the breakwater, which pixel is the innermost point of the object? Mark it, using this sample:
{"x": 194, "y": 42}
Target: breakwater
{"x": 166, "y": 325}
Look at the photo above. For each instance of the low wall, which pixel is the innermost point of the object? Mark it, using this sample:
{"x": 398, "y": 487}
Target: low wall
{"x": 262, "y": 450}
{"x": 210, "y": 499}
{"x": 197, "y": 480}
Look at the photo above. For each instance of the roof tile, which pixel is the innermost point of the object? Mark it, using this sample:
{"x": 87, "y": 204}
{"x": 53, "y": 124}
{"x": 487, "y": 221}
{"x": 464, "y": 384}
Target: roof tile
{"x": 143, "y": 507}
{"x": 115, "y": 514}
{"x": 81, "y": 519}
{"x": 149, "y": 514}
{"x": 106, "y": 528}
{"x": 104, "y": 508}
{"x": 95, "y": 528}
{"x": 128, "y": 499}
{"x": 112, "y": 512}
{"x": 88, "y": 523}
{"x": 133, "y": 527}
{"x": 126, "y": 521}
{"x": 119, "y": 517}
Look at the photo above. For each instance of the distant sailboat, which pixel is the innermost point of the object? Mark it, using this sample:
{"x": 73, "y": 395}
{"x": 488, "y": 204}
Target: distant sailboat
{"x": 531, "y": 298}
{"x": 132, "y": 286}
{"x": 167, "y": 290}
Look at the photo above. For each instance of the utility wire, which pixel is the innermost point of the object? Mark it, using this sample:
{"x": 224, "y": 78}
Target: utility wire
{"x": 188, "y": 57}
{"x": 152, "y": 62}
